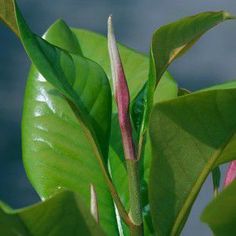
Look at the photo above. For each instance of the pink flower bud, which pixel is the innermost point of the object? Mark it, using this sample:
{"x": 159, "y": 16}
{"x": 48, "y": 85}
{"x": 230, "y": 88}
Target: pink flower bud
{"x": 121, "y": 93}
{"x": 231, "y": 173}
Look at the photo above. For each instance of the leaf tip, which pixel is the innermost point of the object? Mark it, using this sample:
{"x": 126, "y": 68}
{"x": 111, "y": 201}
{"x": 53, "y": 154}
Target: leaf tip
{"x": 228, "y": 16}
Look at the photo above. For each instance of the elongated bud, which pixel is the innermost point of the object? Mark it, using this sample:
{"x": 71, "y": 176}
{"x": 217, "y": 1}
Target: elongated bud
{"x": 93, "y": 203}
{"x": 121, "y": 92}
{"x": 231, "y": 173}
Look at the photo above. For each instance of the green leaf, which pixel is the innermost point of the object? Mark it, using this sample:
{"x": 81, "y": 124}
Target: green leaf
{"x": 92, "y": 46}
{"x": 225, "y": 85}
{"x": 173, "y": 40}
{"x": 56, "y": 151}
{"x": 82, "y": 81}
{"x": 190, "y": 136}
{"x": 220, "y": 213}
{"x": 167, "y": 89}
{"x": 117, "y": 162}
{"x": 67, "y": 39}
{"x": 135, "y": 64}
{"x": 10, "y": 224}
{"x": 7, "y": 15}
{"x": 168, "y": 43}
{"x": 63, "y": 214}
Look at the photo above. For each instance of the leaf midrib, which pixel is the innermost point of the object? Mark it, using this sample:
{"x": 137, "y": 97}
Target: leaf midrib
{"x": 176, "y": 229}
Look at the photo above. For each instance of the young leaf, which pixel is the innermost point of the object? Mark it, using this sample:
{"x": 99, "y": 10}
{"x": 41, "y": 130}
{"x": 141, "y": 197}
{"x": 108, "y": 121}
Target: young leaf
{"x": 63, "y": 214}
{"x": 230, "y": 174}
{"x": 168, "y": 43}
{"x": 190, "y": 136}
{"x": 62, "y": 153}
{"x": 220, "y": 213}
{"x": 121, "y": 92}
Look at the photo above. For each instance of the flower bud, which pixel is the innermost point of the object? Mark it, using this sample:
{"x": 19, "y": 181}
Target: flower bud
{"x": 121, "y": 93}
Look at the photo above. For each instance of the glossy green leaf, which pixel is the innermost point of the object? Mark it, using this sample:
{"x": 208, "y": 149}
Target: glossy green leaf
{"x": 63, "y": 214}
{"x": 173, "y": 40}
{"x": 86, "y": 44}
{"x": 67, "y": 40}
{"x": 190, "y": 136}
{"x": 82, "y": 81}
{"x": 7, "y": 15}
{"x": 56, "y": 151}
{"x": 220, "y": 213}
{"x": 168, "y": 43}
{"x": 94, "y": 46}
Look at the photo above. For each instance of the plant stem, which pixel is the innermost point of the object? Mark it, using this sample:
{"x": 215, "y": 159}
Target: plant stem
{"x": 136, "y": 230}
{"x": 135, "y": 212}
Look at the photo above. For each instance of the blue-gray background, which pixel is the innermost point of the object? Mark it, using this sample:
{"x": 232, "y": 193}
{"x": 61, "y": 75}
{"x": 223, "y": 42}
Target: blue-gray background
{"x": 210, "y": 61}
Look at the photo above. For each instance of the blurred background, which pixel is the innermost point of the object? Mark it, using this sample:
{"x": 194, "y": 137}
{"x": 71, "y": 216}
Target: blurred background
{"x": 210, "y": 61}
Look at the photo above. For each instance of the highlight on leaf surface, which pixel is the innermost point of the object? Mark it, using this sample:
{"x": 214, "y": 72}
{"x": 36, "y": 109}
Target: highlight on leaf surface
{"x": 94, "y": 203}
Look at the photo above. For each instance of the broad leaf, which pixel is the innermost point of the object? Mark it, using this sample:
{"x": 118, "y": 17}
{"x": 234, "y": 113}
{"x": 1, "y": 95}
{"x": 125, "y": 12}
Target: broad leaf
{"x": 190, "y": 136}
{"x": 7, "y": 15}
{"x": 220, "y": 213}
{"x": 168, "y": 43}
{"x": 82, "y": 81}
{"x": 57, "y": 152}
{"x": 94, "y": 46}
{"x": 173, "y": 40}
{"x": 64, "y": 214}
{"x": 57, "y": 163}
